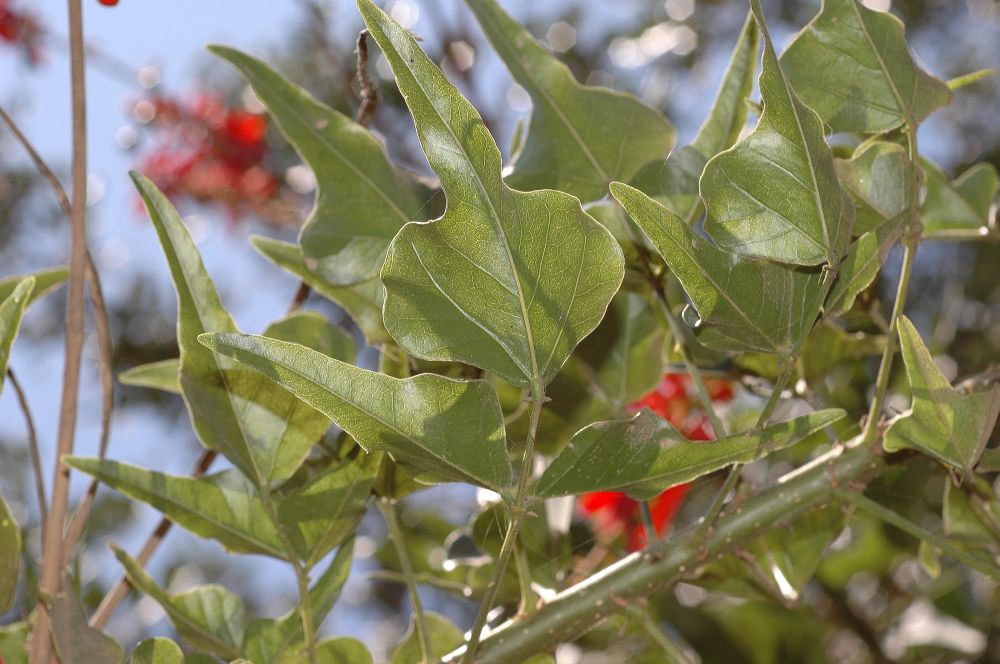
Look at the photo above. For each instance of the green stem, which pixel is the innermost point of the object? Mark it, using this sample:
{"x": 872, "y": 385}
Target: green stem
{"x": 642, "y": 575}
{"x": 523, "y": 574}
{"x": 885, "y": 514}
{"x": 647, "y": 521}
{"x": 388, "y": 508}
{"x": 513, "y": 526}
{"x": 673, "y": 653}
{"x": 305, "y": 612}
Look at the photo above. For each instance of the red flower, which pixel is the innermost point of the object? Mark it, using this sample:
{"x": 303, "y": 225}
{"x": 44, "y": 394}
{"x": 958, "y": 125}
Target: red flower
{"x": 22, "y": 30}
{"x": 613, "y": 512}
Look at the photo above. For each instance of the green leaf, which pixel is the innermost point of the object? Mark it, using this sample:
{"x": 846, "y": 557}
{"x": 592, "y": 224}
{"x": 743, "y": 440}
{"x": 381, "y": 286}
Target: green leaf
{"x": 362, "y": 301}
{"x": 162, "y": 375}
{"x": 265, "y": 431}
{"x": 46, "y": 281}
{"x": 506, "y": 280}
{"x": 879, "y": 179}
{"x": 989, "y": 461}
{"x": 267, "y": 640}
{"x": 960, "y": 82}
{"x": 10, "y": 556}
{"x": 75, "y": 641}
{"x": 961, "y": 521}
{"x": 851, "y": 64}
{"x": 208, "y": 617}
{"x": 363, "y": 200}
{"x": 775, "y": 193}
{"x": 580, "y": 137}
{"x": 645, "y": 455}
{"x": 960, "y": 206}
{"x": 861, "y": 265}
{"x": 313, "y": 330}
{"x": 157, "y": 651}
{"x": 342, "y": 650}
{"x": 947, "y": 425}
{"x": 448, "y": 430}
{"x": 224, "y": 506}
{"x": 741, "y": 304}
{"x": 674, "y": 182}
{"x": 445, "y": 637}
{"x": 11, "y": 310}
{"x": 13, "y": 643}
{"x": 322, "y": 514}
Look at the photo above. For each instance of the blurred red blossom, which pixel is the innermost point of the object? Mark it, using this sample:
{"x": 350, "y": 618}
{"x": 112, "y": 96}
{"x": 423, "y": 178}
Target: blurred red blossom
{"x": 21, "y": 29}
{"x": 211, "y": 153}
{"x": 674, "y": 400}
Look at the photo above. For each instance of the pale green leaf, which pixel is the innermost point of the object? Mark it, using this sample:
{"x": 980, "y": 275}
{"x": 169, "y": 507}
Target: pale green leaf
{"x": 313, "y": 330}
{"x": 157, "y": 651}
{"x": 959, "y": 206}
{"x": 447, "y": 430}
{"x": 162, "y": 375}
{"x": 506, "y": 280}
{"x": 13, "y": 643}
{"x": 11, "y": 310}
{"x": 861, "y": 265}
{"x": 325, "y": 512}
{"x": 444, "y": 637}
{"x": 851, "y": 64}
{"x": 947, "y": 425}
{"x": 741, "y": 304}
{"x": 10, "y": 556}
{"x": 267, "y": 641}
{"x": 46, "y": 281}
{"x": 961, "y": 520}
{"x": 989, "y": 462}
{"x": 264, "y": 430}
{"x": 674, "y": 182}
{"x": 342, "y": 650}
{"x": 580, "y": 137}
{"x": 879, "y": 179}
{"x": 224, "y": 506}
{"x": 77, "y": 642}
{"x": 644, "y": 455}
{"x": 362, "y": 301}
{"x": 208, "y": 617}
{"x": 362, "y": 200}
{"x": 775, "y": 194}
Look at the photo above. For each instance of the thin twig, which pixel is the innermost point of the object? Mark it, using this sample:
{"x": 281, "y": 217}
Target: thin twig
{"x": 299, "y": 298}
{"x": 41, "y": 644}
{"x": 121, "y": 587}
{"x": 36, "y": 459}
{"x": 367, "y": 90}
{"x": 388, "y": 508}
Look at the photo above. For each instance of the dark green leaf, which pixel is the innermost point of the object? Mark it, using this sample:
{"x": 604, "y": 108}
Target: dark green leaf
{"x": 445, "y": 637}
{"x": 775, "y": 194}
{"x": 506, "y": 280}
{"x": 224, "y": 506}
{"x": 949, "y": 426}
{"x": 11, "y": 310}
{"x": 851, "y": 64}
{"x": 208, "y": 617}
{"x": 741, "y": 304}
{"x": 313, "y": 330}
{"x": 580, "y": 137}
{"x": 861, "y": 265}
{"x": 362, "y": 301}
{"x": 879, "y": 178}
{"x": 962, "y": 206}
{"x": 162, "y": 375}
{"x": 46, "y": 281}
{"x": 961, "y": 521}
{"x": 157, "y": 651}
{"x": 645, "y": 455}
{"x": 265, "y": 431}
{"x": 446, "y": 429}
{"x": 10, "y": 556}
{"x": 76, "y": 642}
{"x": 674, "y": 182}
{"x": 363, "y": 200}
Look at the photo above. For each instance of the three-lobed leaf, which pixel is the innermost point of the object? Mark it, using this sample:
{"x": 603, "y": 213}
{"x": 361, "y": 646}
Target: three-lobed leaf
{"x": 862, "y": 263}
{"x": 446, "y": 430}
{"x": 775, "y": 194}
{"x": 645, "y": 455}
{"x": 264, "y": 430}
{"x": 948, "y": 425}
{"x": 852, "y": 65}
{"x": 959, "y": 206}
{"x": 580, "y": 138}
{"x": 879, "y": 179}
{"x": 505, "y": 280}
{"x": 674, "y": 181}
{"x": 741, "y": 304}
{"x": 362, "y": 199}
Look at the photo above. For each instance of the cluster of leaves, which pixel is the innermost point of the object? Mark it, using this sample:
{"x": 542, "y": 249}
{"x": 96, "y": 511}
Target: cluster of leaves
{"x": 531, "y": 311}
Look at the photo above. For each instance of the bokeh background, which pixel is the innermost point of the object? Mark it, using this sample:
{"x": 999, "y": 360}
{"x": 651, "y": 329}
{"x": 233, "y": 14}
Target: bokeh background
{"x": 147, "y": 53}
